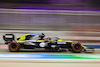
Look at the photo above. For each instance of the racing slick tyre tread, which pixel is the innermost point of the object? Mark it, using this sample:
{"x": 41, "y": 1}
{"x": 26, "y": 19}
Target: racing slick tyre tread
{"x": 13, "y": 47}
{"x": 79, "y": 49}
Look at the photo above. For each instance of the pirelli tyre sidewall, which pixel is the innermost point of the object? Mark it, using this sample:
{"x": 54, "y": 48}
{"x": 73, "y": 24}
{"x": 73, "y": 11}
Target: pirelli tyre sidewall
{"x": 76, "y": 47}
{"x": 13, "y": 46}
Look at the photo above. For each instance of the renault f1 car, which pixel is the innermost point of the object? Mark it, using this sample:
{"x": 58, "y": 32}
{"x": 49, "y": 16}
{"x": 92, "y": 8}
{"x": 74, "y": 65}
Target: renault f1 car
{"x": 33, "y": 41}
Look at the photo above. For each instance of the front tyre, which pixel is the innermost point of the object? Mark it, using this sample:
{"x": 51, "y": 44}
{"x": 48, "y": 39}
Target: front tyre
{"x": 13, "y": 47}
{"x": 76, "y": 47}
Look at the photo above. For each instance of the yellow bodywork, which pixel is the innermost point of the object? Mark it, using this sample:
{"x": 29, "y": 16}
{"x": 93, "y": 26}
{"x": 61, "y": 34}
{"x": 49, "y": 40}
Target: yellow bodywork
{"x": 64, "y": 41}
{"x": 40, "y": 40}
{"x": 84, "y": 47}
{"x": 22, "y": 38}
{"x": 69, "y": 41}
{"x": 89, "y": 51}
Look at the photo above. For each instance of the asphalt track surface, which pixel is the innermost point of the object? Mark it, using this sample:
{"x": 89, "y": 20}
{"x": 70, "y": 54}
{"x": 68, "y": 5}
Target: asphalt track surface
{"x": 10, "y": 64}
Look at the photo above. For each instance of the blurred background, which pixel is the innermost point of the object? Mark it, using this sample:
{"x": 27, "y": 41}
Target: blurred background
{"x": 68, "y": 19}
{"x": 77, "y": 20}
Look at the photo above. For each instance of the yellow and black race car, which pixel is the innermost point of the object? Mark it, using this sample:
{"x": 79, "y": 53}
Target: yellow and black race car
{"x": 38, "y": 41}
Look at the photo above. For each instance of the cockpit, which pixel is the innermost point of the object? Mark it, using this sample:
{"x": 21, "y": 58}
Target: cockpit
{"x": 34, "y": 37}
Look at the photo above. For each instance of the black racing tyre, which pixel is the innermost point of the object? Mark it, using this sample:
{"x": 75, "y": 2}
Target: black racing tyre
{"x": 13, "y": 47}
{"x": 76, "y": 47}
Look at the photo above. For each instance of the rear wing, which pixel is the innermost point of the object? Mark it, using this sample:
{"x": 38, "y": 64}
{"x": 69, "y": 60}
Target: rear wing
{"x": 8, "y": 38}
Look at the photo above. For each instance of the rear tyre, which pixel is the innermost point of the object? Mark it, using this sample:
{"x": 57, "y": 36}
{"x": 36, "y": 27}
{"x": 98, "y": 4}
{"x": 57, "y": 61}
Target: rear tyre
{"x": 13, "y": 47}
{"x": 76, "y": 47}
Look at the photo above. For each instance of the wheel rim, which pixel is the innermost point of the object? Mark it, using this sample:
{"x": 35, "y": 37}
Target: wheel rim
{"x": 77, "y": 47}
{"x": 13, "y": 46}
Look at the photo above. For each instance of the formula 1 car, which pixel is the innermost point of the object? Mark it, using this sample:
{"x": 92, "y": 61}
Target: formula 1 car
{"x": 38, "y": 41}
